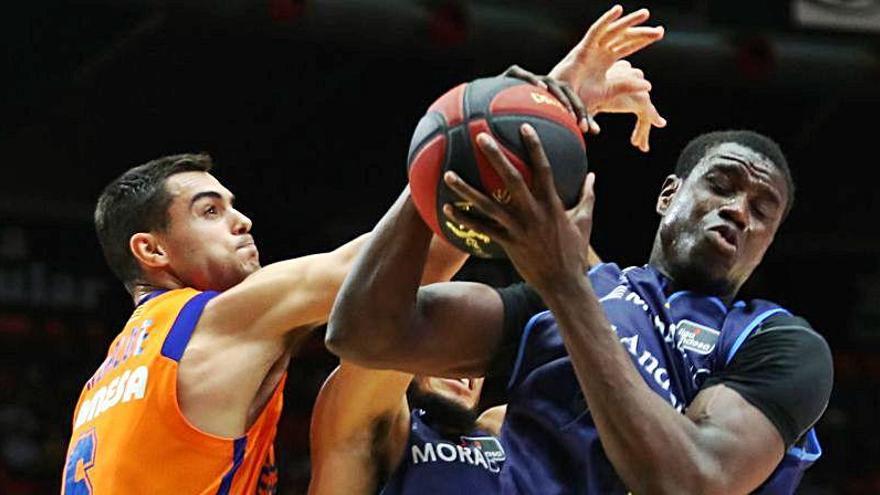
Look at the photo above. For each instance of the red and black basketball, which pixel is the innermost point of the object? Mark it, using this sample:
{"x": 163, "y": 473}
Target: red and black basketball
{"x": 445, "y": 139}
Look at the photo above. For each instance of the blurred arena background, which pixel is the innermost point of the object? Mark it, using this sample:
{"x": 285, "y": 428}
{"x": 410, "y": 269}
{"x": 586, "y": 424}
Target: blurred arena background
{"x": 308, "y": 106}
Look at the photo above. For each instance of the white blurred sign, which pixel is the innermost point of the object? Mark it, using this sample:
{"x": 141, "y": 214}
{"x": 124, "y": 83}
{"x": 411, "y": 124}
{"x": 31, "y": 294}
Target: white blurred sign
{"x": 844, "y": 15}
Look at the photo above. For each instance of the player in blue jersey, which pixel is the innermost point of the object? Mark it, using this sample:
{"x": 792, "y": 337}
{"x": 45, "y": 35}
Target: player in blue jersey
{"x": 650, "y": 379}
{"x": 378, "y": 429}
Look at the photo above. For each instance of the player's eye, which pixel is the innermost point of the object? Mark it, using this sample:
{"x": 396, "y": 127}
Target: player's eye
{"x": 761, "y": 210}
{"x": 758, "y": 212}
{"x": 721, "y": 185}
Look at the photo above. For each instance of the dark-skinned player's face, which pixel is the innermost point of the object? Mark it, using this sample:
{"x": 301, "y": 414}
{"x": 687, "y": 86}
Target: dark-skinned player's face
{"x": 719, "y": 221}
{"x": 208, "y": 241}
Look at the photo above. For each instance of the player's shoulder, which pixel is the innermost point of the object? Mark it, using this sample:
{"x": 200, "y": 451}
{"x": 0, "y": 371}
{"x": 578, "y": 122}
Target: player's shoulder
{"x": 788, "y": 322}
{"x": 794, "y": 332}
{"x": 772, "y": 316}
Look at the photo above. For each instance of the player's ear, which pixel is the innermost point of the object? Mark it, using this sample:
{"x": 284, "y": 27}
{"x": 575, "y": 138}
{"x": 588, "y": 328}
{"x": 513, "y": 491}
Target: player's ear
{"x": 667, "y": 192}
{"x": 148, "y": 250}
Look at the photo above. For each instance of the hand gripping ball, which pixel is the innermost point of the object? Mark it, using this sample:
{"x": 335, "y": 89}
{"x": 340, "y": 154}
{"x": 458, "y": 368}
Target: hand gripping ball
{"x": 445, "y": 139}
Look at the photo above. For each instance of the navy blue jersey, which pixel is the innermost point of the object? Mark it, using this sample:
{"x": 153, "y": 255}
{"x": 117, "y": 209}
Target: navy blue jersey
{"x": 676, "y": 341}
{"x": 432, "y": 463}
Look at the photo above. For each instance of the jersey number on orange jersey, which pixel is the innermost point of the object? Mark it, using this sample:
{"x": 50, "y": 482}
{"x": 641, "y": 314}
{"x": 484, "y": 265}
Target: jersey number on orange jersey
{"x": 80, "y": 460}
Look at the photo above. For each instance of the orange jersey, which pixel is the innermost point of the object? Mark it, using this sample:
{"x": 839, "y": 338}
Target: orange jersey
{"x": 129, "y": 435}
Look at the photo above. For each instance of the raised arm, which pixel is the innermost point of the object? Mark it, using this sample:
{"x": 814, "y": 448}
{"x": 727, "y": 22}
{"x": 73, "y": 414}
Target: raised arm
{"x": 382, "y": 319}
{"x": 360, "y": 426}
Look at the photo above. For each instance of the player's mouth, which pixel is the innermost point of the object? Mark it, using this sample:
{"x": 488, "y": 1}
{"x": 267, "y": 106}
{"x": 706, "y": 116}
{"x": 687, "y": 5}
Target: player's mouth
{"x": 248, "y": 243}
{"x": 724, "y": 237}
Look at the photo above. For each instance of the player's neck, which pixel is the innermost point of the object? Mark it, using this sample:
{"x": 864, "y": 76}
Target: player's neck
{"x": 141, "y": 291}
{"x": 681, "y": 282}
{"x": 152, "y": 280}
{"x": 143, "y": 288}
{"x": 680, "y": 278}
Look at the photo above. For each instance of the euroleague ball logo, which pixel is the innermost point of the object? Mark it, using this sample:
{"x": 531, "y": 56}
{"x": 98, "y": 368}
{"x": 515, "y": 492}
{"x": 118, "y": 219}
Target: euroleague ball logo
{"x": 543, "y": 99}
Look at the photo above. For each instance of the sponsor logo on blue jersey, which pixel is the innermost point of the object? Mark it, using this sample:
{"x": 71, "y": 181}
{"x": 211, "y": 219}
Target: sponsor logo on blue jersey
{"x": 697, "y": 338}
{"x": 485, "y": 452}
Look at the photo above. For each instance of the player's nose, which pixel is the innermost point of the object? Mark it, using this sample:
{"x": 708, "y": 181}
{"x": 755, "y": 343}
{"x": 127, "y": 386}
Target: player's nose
{"x": 243, "y": 223}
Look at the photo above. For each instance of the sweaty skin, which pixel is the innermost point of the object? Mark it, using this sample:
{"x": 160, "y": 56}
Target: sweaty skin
{"x": 715, "y": 240}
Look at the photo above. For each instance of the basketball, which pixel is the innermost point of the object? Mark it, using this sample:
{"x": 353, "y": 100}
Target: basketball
{"x": 445, "y": 139}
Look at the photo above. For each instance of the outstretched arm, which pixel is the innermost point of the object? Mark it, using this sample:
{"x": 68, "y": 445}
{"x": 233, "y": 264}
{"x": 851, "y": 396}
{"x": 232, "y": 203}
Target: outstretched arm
{"x": 247, "y": 331}
{"x": 299, "y": 293}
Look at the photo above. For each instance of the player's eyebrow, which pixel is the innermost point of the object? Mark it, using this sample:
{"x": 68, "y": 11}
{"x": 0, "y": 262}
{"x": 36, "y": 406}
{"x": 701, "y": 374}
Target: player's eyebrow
{"x": 736, "y": 166}
{"x": 209, "y": 194}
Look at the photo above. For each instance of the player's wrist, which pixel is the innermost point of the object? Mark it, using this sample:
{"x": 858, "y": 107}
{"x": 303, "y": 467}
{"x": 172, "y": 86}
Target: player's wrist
{"x": 563, "y": 288}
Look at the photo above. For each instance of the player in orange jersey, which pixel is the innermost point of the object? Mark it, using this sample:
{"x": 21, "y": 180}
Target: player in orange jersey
{"x": 188, "y": 398}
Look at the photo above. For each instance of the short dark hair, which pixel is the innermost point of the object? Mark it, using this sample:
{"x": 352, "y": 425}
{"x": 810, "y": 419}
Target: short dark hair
{"x": 137, "y": 201}
{"x": 697, "y": 148}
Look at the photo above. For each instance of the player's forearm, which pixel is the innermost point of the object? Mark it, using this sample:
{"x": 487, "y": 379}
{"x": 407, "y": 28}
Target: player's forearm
{"x": 348, "y": 471}
{"x": 377, "y": 299}
{"x": 307, "y": 287}
{"x": 637, "y": 427}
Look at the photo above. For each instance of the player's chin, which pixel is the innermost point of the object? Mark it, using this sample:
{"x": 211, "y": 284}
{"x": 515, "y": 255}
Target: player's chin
{"x": 463, "y": 403}
{"x": 463, "y": 400}
{"x": 715, "y": 264}
{"x": 250, "y": 266}
{"x": 249, "y": 260}
{"x": 240, "y": 271}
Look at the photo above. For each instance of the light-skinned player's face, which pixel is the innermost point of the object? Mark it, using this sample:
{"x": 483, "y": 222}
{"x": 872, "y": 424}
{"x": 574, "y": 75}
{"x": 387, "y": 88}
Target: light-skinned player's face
{"x": 463, "y": 391}
{"x": 208, "y": 241}
{"x": 723, "y": 217}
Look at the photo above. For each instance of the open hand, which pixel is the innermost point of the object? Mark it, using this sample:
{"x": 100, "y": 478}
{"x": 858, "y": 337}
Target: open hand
{"x": 595, "y": 69}
{"x": 635, "y": 101}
